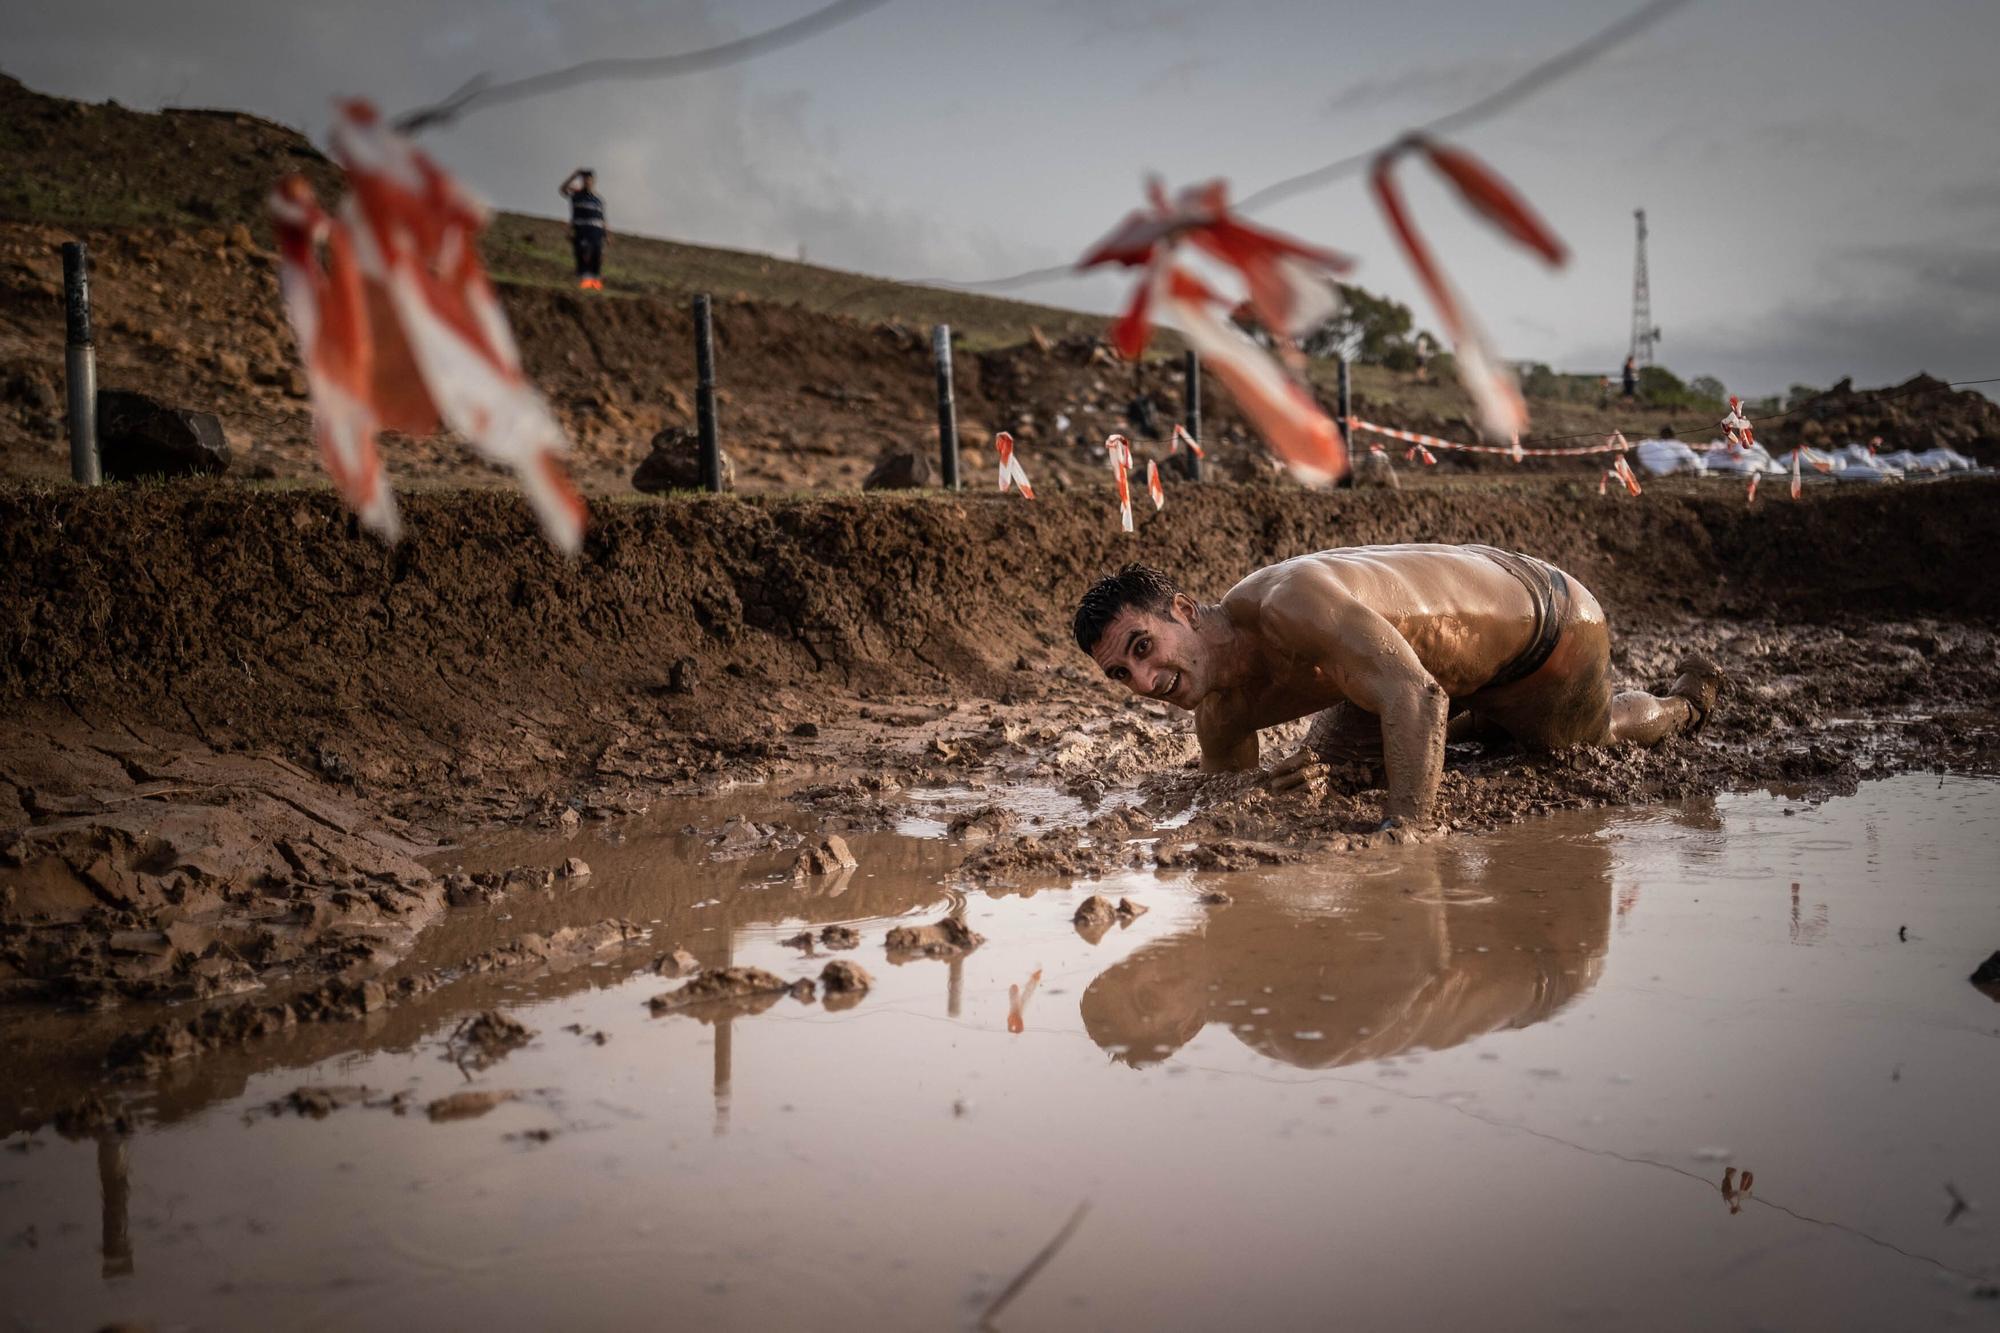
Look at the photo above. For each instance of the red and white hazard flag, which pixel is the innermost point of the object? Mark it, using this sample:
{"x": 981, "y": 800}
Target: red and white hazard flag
{"x": 329, "y": 314}
{"x": 1121, "y": 469}
{"x": 1153, "y": 487}
{"x": 1502, "y": 411}
{"x": 1181, "y": 437}
{"x": 1285, "y": 412}
{"x": 421, "y": 321}
{"x": 1751, "y": 497}
{"x": 1623, "y": 470}
{"x": 1291, "y": 290}
{"x": 1736, "y": 427}
{"x": 1796, "y": 480}
{"x": 1011, "y": 472}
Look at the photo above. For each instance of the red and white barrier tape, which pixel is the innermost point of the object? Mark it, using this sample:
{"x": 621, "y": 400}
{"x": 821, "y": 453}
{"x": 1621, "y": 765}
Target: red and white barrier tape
{"x": 1181, "y": 437}
{"x": 1010, "y": 466}
{"x": 1153, "y": 487}
{"x": 1615, "y": 444}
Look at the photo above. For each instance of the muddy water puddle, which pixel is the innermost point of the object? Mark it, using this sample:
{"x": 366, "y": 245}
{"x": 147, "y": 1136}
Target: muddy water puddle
{"x": 1717, "y": 1063}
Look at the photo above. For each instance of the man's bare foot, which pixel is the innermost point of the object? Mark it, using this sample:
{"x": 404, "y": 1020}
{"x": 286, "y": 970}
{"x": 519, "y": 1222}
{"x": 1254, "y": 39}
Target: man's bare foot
{"x": 1699, "y": 682}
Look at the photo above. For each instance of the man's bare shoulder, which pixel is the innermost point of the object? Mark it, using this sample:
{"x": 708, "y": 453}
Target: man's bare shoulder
{"x": 1279, "y": 598}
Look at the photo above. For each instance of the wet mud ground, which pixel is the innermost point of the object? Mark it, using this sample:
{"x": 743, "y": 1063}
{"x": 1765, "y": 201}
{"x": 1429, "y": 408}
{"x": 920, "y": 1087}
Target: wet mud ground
{"x": 363, "y": 873}
{"x": 1714, "y": 1061}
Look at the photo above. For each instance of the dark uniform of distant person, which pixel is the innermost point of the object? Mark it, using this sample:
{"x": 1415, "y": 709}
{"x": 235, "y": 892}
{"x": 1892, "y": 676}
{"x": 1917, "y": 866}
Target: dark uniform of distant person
{"x": 1630, "y": 379}
{"x": 587, "y": 232}
{"x": 1391, "y": 646}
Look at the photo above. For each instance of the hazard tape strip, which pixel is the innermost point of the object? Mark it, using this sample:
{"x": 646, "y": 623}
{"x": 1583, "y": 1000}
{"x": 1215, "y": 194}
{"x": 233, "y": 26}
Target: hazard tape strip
{"x": 1010, "y": 467}
{"x": 1120, "y": 450}
{"x": 1615, "y": 444}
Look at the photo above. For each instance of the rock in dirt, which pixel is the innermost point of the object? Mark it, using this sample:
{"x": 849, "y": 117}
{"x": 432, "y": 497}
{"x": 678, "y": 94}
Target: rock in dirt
{"x": 576, "y": 868}
{"x": 840, "y": 937}
{"x": 842, "y": 977}
{"x": 568, "y": 944}
{"x": 318, "y": 1101}
{"x": 718, "y": 984}
{"x": 739, "y": 837}
{"x": 468, "y": 1105}
{"x": 1216, "y": 898}
{"x": 1375, "y": 469}
{"x": 802, "y": 940}
{"x": 948, "y": 938}
{"x": 1224, "y": 854}
{"x": 678, "y": 963}
{"x": 1987, "y": 975}
{"x": 486, "y": 1037}
{"x": 900, "y": 472}
{"x": 139, "y": 436}
{"x": 91, "y": 1117}
{"x": 1097, "y": 914}
{"x": 828, "y": 856}
{"x": 675, "y": 464}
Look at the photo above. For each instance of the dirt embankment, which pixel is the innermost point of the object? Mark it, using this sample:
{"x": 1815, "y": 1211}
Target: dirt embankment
{"x": 263, "y": 618}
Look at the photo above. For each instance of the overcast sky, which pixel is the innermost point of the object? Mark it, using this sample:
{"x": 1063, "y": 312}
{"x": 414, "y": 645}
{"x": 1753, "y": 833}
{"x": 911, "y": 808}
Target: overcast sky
{"x": 1821, "y": 177}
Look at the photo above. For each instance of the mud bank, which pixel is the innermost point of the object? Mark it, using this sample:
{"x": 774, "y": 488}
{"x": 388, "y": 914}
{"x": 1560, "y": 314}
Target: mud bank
{"x": 233, "y": 723}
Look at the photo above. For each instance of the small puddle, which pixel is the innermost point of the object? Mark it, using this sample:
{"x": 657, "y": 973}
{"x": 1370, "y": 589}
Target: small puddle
{"x": 1713, "y": 1063}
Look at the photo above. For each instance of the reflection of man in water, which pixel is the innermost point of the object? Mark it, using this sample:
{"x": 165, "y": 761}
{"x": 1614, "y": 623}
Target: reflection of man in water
{"x": 1388, "y": 645}
{"x": 1430, "y": 955}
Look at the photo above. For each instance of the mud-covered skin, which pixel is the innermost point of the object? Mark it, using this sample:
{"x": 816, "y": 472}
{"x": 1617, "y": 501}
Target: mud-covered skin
{"x": 1402, "y": 635}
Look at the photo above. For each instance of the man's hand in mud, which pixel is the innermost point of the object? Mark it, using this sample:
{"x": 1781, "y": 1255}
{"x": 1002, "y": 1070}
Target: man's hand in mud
{"x": 1302, "y": 768}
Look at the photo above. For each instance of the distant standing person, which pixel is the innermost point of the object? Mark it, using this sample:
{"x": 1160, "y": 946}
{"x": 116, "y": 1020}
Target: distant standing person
{"x": 587, "y": 233}
{"x": 1631, "y": 380}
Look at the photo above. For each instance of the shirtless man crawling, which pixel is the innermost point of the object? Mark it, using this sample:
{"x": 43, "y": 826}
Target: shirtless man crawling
{"x": 1390, "y": 646}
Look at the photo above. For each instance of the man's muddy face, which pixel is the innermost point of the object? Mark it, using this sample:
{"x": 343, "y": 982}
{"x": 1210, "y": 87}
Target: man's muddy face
{"x": 1160, "y": 657}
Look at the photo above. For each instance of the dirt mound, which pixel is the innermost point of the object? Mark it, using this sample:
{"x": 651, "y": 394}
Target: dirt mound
{"x": 1921, "y": 413}
{"x": 174, "y": 168}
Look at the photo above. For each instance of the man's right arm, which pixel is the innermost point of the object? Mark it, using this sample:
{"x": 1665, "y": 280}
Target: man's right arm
{"x": 1225, "y": 747}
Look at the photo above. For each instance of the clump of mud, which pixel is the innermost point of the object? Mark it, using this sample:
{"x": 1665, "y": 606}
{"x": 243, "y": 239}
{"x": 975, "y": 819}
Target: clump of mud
{"x": 469, "y": 1105}
{"x": 718, "y": 985}
{"x": 949, "y": 937}
{"x": 1096, "y": 914}
{"x": 486, "y": 1038}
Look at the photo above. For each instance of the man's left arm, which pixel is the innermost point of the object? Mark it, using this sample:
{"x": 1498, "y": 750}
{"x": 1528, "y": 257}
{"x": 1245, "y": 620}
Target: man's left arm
{"x": 1374, "y": 667}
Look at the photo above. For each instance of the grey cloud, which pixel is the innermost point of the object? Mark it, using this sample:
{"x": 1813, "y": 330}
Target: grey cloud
{"x": 1435, "y": 85}
{"x": 1903, "y": 308}
{"x": 1981, "y": 194}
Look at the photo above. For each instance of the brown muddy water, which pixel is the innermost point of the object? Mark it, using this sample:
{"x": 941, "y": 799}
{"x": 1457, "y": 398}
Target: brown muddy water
{"x": 1717, "y": 1064}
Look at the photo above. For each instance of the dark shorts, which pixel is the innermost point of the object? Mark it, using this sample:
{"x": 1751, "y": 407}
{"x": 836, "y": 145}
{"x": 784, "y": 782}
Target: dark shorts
{"x": 1548, "y": 589}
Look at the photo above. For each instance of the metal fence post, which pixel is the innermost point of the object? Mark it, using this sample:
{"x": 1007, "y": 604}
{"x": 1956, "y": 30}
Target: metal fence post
{"x": 80, "y": 366}
{"x": 947, "y": 408}
{"x": 1193, "y": 415}
{"x": 1345, "y": 402}
{"x": 704, "y": 395}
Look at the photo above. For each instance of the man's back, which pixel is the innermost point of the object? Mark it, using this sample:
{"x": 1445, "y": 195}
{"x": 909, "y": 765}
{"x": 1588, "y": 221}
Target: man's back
{"x": 1461, "y": 611}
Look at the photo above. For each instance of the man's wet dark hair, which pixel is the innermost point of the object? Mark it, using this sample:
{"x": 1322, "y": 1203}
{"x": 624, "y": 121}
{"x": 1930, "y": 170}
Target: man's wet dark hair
{"x": 1135, "y": 585}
